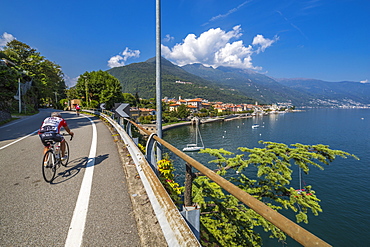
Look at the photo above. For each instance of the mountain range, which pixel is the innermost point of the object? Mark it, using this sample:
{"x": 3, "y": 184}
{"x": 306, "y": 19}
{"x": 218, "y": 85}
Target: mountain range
{"x": 331, "y": 93}
{"x": 231, "y": 85}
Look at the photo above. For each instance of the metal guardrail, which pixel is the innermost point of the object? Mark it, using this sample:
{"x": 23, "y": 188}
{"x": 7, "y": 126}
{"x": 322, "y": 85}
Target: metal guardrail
{"x": 174, "y": 227}
{"x": 292, "y": 229}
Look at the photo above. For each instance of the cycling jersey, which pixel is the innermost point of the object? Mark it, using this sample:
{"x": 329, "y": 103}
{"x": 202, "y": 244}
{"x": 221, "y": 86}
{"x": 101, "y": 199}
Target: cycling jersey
{"x": 52, "y": 124}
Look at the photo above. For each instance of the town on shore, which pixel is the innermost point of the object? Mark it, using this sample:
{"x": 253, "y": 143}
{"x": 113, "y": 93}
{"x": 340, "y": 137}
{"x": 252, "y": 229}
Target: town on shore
{"x": 197, "y": 105}
{"x": 225, "y": 111}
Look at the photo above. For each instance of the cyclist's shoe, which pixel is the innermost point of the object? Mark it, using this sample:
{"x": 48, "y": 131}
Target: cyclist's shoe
{"x": 64, "y": 157}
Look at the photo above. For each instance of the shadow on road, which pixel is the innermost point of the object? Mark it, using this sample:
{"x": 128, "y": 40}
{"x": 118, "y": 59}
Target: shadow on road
{"x": 72, "y": 171}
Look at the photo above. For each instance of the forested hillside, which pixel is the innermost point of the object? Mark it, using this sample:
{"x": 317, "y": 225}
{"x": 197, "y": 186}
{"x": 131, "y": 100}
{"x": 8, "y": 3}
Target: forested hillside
{"x": 249, "y": 83}
{"x": 237, "y": 86}
{"x": 140, "y": 78}
{"x": 221, "y": 84}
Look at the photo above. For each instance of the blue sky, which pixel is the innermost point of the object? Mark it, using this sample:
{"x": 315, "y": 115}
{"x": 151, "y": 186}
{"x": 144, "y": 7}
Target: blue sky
{"x": 320, "y": 39}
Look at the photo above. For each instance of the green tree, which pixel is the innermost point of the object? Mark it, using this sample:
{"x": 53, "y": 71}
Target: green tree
{"x": 265, "y": 174}
{"x": 8, "y": 85}
{"x": 99, "y": 86}
{"x": 64, "y": 103}
{"x": 47, "y": 77}
{"x": 212, "y": 112}
{"x": 147, "y": 103}
{"x": 182, "y": 112}
{"x": 137, "y": 99}
{"x": 129, "y": 99}
{"x": 72, "y": 93}
{"x": 146, "y": 119}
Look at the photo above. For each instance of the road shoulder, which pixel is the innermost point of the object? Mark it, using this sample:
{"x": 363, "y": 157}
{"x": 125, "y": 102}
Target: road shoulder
{"x": 149, "y": 229}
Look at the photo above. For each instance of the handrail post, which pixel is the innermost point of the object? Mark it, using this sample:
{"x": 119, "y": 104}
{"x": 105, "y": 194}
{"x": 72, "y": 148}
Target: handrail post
{"x": 188, "y": 200}
{"x": 122, "y": 122}
{"x": 150, "y": 152}
{"x": 128, "y": 129}
{"x": 190, "y": 212}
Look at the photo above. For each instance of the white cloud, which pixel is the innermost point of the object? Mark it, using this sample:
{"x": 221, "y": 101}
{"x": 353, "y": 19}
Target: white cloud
{"x": 234, "y": 55}
{"x": 221, "y": 16}
{"x": 119, "y": 60}
{"x": 5, "y": 38}
{"x": 215, "y": 48}
{"x": 365, "y": 81}
{"x": 70, "y": 82}
{"x": 168, "y": 38}
{"x": 116, "y": 61}
{"x": 259, "y": 40}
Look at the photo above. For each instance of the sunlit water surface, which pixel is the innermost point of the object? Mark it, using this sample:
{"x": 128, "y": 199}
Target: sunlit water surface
{"x": 342, "y": 186}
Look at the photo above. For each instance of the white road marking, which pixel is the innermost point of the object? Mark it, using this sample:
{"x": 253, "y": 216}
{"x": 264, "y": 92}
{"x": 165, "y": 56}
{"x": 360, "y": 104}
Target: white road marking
{"x": 20, "y": 139}
{"x": 77, "y": 226}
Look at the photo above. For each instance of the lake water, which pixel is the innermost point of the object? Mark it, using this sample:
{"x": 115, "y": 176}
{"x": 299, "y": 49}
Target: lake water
{"x": 342, "y": 186}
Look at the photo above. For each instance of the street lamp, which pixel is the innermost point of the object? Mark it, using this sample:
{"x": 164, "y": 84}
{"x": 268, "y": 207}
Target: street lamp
{"x": 86, "y": 90}
{"x": 56, "y": 99}
{"x": 19, "y": 93}
{"x": 158, "y": 78}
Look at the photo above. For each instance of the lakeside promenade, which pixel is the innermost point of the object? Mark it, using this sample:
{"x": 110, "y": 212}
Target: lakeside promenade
{"x": 152, "y": 127}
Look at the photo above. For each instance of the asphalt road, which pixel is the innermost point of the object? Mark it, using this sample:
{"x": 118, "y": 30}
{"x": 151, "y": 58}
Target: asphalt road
{"x": 36, "y": 213}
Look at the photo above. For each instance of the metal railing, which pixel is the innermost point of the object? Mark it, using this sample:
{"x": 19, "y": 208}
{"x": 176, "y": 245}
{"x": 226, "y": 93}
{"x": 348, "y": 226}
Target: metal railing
{"x": 292, "y": 229}
{"x": 175, "y": 229}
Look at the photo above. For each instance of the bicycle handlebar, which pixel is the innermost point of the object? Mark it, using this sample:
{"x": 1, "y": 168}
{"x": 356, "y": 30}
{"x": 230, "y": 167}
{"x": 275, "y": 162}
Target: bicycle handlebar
{"x": 64, "y": 134}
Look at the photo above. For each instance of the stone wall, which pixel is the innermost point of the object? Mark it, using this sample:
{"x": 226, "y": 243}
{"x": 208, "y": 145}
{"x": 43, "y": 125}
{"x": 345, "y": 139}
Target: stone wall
{"x": 4, "y": 116}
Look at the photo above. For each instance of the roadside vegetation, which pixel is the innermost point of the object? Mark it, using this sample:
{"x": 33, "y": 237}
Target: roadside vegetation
{"x": 42, "y": 83}
{"x": 265, "y": 173}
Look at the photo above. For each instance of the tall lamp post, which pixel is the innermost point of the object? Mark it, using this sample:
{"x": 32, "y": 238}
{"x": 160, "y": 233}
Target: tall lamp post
{"x": 158, "y": 78}
{"x": 86, "y": 90}
{"x": 19, "y": 93}
{"x": 56, "y": 99}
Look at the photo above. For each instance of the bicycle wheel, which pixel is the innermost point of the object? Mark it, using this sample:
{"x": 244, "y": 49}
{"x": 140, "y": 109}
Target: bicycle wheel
{"x": 48, "y": 166}
{"x": 66, "y": 152}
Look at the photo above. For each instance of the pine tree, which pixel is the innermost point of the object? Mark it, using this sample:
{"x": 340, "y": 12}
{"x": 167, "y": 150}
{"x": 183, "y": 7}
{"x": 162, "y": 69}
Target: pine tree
{"x": 265, "y": 173}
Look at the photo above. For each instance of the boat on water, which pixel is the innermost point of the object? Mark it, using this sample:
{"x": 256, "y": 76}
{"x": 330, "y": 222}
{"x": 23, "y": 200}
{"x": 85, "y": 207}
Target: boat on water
{"x": 254, "y": 126}
{"x": 193, "y": 147}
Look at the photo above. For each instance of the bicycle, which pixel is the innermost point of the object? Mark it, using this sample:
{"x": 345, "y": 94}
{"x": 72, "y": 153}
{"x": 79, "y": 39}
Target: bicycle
{"x": 53, "y": 159}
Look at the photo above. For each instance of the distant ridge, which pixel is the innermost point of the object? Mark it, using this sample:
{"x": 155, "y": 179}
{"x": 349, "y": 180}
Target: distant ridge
{"x": 345, "y": 92}
{"x": 258, "y": 86}
{"x": 231, "y": 85}
{"x": 140, "y": 78}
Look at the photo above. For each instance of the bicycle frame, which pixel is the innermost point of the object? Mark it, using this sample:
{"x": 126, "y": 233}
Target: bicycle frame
{"x": 55, "y": 148}
{"x": 52, "y": 159}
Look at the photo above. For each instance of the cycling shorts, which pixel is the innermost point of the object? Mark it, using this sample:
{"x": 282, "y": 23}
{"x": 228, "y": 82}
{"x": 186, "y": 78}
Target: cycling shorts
{"x": 47, "y": 136}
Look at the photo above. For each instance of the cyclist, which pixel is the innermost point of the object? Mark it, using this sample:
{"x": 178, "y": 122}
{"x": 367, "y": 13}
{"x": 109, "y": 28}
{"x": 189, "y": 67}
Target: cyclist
{"x": 50, "y": 129}
{"x": 78, "y": 108}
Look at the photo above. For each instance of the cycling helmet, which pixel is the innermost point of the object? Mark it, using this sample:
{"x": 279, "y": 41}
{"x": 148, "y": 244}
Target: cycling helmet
{"x": 56, "y": 114}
